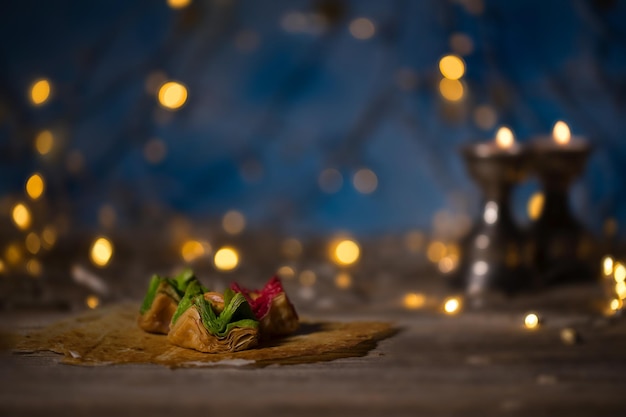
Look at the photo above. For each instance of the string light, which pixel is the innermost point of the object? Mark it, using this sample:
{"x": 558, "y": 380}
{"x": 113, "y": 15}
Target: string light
{"x": 172, "y": 95}
{"x": 92, "y": 302}
{"x": 233, "y": 222}
{"x": 362, "y": 28}
{"x": 620, "y": 272}
{"x": 44, "y": 142}
{"x": 451, "y": 90}
{"x": 531, "y": 321}
{"x": 101, "y": 252}
{"x": 452, "y": 67}
{"x": 21, "y": 216}
{"x": 413, "y": 301}
{"x": 345, "y": 252}
{"x": 40, "y": 91}
{"x": 226, "y": 259}
{"x": 607, "y": 265}
{"x": 35, "y": 186}
{"x": 615, "y": 304}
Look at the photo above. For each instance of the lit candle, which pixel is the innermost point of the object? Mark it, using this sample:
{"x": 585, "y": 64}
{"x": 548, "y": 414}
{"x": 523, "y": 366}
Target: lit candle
{"x": 561, "y": 140}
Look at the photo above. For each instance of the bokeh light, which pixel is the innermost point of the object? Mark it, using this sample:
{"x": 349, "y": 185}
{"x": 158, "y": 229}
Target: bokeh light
{"x": 452, "y": 67}
{"x": 362, "y": 28}
{"x": 607, "y": 265}
{"x": 92, "y": 301}
{"x": 330, "y": 180}
{"x": 286, "y": 272}
{"x": 343, "y": 280}
{"x": 13, "y": 254}
{"x": 172, "y": 95}
{"x": 35, "y": 186}
{"x": 620, "y": 272}
{"x": 34, "y": 268}
{"x": 178, "y": 4}
{"x": 233, "y": 222}
{"x": 307, "y": 278}
{"x": 436, "y": 251}
{"x": 452, "y": 306}
{"x": 451, "y": 90}
{"x": 226, "y": 259}
{"x": 413, "y": 301}
{"x": 101, "y": 252}
{"x": 155, "y": 151}
{"x": 535, "y": 205}
{"x": 40, "y": 91}
{"x": 192, "y": 250}
{"x": 32, "y": 243}
{"x": 531, "y": 321}
{"x": 365, "y": 181}
{"x": 48, "y": 237}
{"x": 21, "y": 216}
{"x": 291, "y": 247}
{"x": 44, "y": 141}
{"x": 345, "y": 252}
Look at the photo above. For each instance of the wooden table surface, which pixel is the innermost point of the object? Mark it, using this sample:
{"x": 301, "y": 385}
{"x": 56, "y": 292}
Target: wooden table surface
{"x": 476, "y": 363}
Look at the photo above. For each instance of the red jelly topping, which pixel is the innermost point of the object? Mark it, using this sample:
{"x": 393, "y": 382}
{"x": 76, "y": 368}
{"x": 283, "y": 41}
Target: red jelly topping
{"x": 260, "y": 300}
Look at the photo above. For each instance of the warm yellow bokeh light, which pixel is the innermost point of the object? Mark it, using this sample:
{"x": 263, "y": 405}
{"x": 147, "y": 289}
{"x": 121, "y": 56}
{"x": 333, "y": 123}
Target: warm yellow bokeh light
{"x": 531, "y": 321}
{"x": 40, "y": 91}
{"x": 346, "y": 252}
{"x": 286, "y": 272}
{"x": 561, "y": 133}
{"x": 48, "y": 237}
{"x": 233, "y": 222}
{"x": 620, "y": 289}
{"x": 191, "y": 250}
{"x": 178, "y": 4}
{"x": 615, "y": 304}
{"x": 35, "y": 186}
{"x": 447, "y": 264}
{"x": 33, "y": 243}
{"x": 172, "y": 95}
{"x": 2, "y": 266}
{"x": 451, "y": 90}
{"x": 307, "y": 278}
{"x": 291, "y": 247}
{"x": 33, "y": 267}
{"x": 101, "y": 251}
{"x": 92, "y": 301}
{"x": 535, "y": 205}
{"x": 13, "y": 254}
{"x": 343, "y": 280}
{"x": 44, "y": 142}
{"x": 21, "y": 216}
{"x": 452, "y": 67}
{"x": 413, "y": 301}
{"x": 226, "y": 259}
{"x": 620, "y": 272}
{"x": 451, "y": 305}
{"x": 607, "y": 265}
{"x": 505, "y": 138}
{"x": 436, "y": 251}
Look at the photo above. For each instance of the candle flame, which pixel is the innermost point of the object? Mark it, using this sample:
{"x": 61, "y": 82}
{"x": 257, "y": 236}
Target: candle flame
{"x": 561, "y": 133}
{"x": 505, "y": 138}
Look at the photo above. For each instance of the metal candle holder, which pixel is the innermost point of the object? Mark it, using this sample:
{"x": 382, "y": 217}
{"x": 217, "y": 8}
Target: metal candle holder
{"x": 562, "y": 247}
{"x": 493, "y": 253}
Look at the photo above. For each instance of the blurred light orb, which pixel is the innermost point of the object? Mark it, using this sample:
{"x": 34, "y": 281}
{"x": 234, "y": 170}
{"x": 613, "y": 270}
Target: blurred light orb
{"x": 101, "y": 252}
{"x": 291, "y": 247}
{"x": 447, "y": 264}
{"x": 172, "y": 95}
{"x": 620, "y": 272}
{"x": 35, "y": 186}
{"x": 362, "y": 28}
{"x": 226, "y": 259}
{"x": 535, "y": 205}
{"x": 615, "y": 304}
{"x": 21, "y": 216}
{"x": 452, "y": 67}
{"x": 40, "y": 91}
{"x": 92, "y": 301}
{"x": 561, "y": 133}
{"x": 330, "y": 180}
{"x": 346, "y": 252}
{"x": 365, "y": 181}
{"x": 505, "y": 138}
{"x": 620, "y": 289}
{"x": 48, "y": 237}
{"x": 451, "y": 90}
{"x": 414, "y": 301}
{"x": 531, "y": 321}
{"x": 461, "y": 43}
{"x": 178, "y": 4}
{"x": 33, "y": 267}
{"x": 451, "y": 305}
{"x": 286, "y": 272}
{"x": 607, "y": 265}
{"x": 233, "y": 222}
{"x": 13, "y": 254}
{"x": 485, "y": 117}
{"x": 44, "y": 141}
{"x": 33, "y": 243}
{"x": 343, "y": 280}
{"x": 2, "y": 266}
{"x": 308, "y": 278}
{"x": 436, "y": 251}
{"x": 191, "y": 250}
